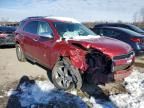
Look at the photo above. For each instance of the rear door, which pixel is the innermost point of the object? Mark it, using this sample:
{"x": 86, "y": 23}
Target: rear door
{"x": 30, "y": 38}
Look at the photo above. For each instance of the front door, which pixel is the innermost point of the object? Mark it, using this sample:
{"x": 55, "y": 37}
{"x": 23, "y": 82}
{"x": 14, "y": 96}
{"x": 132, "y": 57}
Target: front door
{"x": 44, "y": 44}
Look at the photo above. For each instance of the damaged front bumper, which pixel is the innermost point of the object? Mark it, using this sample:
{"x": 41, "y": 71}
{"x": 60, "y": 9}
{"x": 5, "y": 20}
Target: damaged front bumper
{"x": 121, "y": 74}
{"x": 111, "y": 77}
{"x": 121, "y": 67}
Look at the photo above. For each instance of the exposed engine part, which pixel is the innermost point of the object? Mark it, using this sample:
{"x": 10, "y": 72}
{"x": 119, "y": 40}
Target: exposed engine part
{"x": 99, "y": 67}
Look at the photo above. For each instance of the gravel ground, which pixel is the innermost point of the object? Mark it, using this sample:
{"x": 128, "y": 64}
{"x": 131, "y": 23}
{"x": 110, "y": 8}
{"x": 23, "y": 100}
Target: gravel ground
{"x": 12, "y": 71}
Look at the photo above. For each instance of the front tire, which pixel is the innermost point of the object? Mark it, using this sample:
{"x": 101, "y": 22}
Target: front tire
{"x": 20, "y": 54}
{"x": 65, "y": 76}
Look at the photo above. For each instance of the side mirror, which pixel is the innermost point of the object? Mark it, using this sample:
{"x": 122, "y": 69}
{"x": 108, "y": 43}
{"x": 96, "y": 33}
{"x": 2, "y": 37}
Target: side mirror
{"x": 46, "y": 35}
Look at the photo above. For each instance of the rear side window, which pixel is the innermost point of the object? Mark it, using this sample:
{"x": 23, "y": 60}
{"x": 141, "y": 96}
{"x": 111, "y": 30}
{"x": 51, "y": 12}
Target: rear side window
{"x": 115, "y": 33}
{"x": 31, "y": 27}
{"x": 107, "y": 32}
{"x": 98, "y": 31}
{"x": 111, "y": 33}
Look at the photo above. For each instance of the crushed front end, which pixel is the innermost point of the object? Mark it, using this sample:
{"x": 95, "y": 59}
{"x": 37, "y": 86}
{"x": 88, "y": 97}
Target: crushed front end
{"x": 103, "y": 69}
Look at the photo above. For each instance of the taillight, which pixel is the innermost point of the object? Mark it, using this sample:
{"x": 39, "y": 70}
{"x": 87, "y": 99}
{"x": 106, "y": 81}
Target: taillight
{"x": 136, "y": 39}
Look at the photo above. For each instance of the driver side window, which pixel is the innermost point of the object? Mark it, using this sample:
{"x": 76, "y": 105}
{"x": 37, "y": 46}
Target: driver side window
{"x": 44, "y": 29}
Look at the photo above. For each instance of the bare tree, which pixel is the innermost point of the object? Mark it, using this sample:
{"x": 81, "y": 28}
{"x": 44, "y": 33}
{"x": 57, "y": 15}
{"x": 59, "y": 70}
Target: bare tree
{"x": 135, "y": 16}
{"x": 139, "y": 16}
{"x": 142, "y": 14}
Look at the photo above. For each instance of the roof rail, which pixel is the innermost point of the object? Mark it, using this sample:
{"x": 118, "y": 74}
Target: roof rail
{"x": 35, "y": 17}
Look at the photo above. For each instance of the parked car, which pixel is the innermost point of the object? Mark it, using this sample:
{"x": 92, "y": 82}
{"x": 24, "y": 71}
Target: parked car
{"x": 7, "y": 35}
{"x": 134, "y": 39}
{"x": 122, "y": 25}
{"x": 72, "y": 51}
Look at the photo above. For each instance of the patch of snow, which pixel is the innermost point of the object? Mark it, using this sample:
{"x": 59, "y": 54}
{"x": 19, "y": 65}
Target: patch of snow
{"x": 11, "y": 92}
{"x": 1, "y": 96}
{"x": 43, "y": 92}
{"x": 101, "y": 104}
{"x": 68, "y": 37}
{"x": 86, "y": 37}
{"x": 59, "y": 40}
{"x": 67, "y": 19}
{"x": 74, "y": 92}
{"x": 135, "y": 98}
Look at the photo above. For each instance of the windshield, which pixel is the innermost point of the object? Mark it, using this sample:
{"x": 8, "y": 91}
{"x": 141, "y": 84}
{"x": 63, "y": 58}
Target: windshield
{"x": 71, "y": 30}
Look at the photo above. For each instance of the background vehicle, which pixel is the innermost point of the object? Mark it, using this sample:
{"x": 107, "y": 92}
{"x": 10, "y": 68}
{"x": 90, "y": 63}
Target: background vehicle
{"x": 134, "y": 39}
{"x": 7, "y": 35}
{"x": 71, "y": 51}
{"x": 122, "y": 25}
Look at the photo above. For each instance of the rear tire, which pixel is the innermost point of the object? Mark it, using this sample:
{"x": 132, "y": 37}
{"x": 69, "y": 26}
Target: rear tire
{"x": 65, "y": 76}
{"x": 20, "y": 54}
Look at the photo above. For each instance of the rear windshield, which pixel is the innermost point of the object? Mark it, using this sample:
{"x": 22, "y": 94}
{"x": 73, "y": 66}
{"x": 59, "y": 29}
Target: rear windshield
{"x": 131, "y": 32}
{"x": 137, "y": 29}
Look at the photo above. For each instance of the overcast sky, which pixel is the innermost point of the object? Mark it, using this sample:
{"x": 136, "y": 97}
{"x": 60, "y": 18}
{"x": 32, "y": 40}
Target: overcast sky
{"x": 83, "y": 10}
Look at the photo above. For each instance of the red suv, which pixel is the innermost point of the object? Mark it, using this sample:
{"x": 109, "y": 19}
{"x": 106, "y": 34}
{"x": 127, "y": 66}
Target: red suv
{"x": 73, "y": 52}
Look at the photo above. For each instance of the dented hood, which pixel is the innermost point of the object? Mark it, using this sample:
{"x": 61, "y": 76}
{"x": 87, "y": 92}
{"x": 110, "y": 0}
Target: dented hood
{"x": 109, "y": 46}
